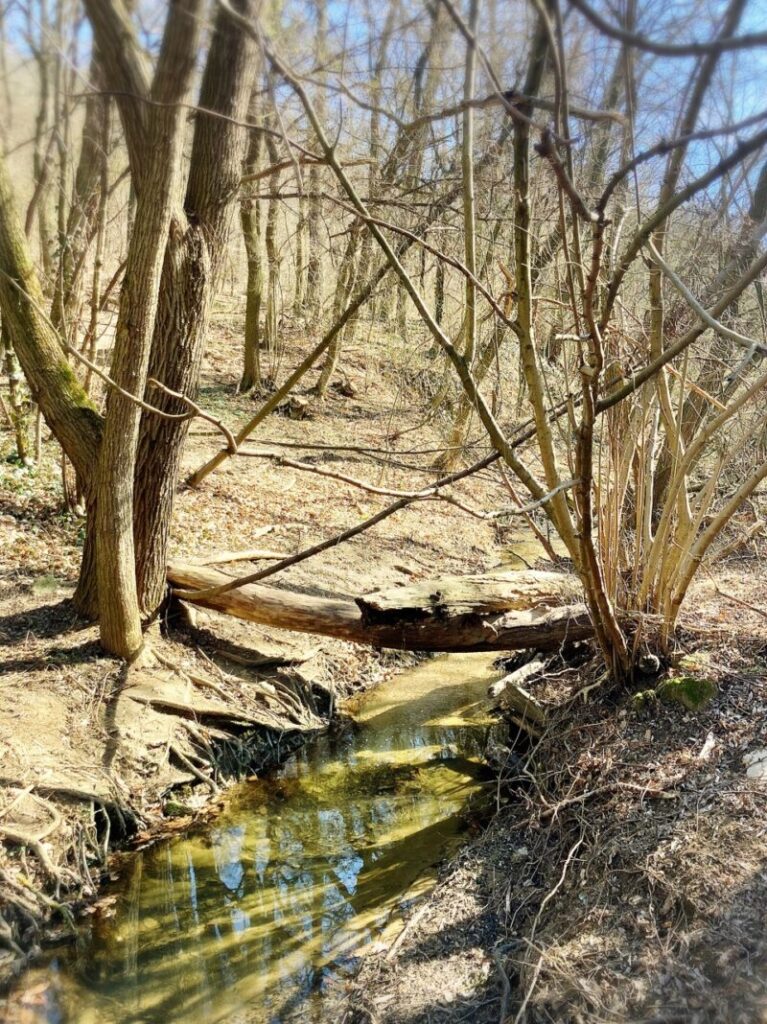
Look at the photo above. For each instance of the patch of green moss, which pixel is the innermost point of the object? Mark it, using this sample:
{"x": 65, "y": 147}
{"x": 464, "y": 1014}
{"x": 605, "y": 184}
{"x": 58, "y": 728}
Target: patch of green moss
{"x": 174, "y": 809}
{"x": 62, "y": 376}
{"x": 692, "y": 692}
{"x": 643, "y": 699}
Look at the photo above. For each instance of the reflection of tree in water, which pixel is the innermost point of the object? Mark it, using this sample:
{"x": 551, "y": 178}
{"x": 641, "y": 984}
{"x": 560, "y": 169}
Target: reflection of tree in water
{"x": 290, "y": 884}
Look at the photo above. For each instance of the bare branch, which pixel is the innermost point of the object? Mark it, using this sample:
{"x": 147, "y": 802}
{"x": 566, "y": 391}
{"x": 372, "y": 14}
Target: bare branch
{"x": 747, "y": 41}
{"x": 726, "y": 332}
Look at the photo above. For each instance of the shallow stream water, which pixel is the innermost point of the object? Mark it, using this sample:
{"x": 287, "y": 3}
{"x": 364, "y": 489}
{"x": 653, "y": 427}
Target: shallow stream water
{"x": 262, "y": 917}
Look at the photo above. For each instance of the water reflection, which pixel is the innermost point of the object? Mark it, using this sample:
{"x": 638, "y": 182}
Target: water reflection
{"x": 255, "y": 920}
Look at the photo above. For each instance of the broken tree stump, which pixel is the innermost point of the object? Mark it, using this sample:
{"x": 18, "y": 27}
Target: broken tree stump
{"x": 521, "y": 706}
{"x": 493, "y": 612}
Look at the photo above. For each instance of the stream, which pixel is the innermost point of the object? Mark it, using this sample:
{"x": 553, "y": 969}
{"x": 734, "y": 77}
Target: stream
{"x": 262, "y": 916}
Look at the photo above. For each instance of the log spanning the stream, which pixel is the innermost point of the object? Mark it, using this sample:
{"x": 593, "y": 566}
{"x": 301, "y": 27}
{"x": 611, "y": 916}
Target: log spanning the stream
{"x": 494, "y": 612}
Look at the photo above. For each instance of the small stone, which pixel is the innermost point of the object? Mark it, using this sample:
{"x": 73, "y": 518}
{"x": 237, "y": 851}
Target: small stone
{"x": 756, "y": 764}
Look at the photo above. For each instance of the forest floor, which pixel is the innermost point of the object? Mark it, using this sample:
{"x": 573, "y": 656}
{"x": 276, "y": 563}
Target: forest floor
{"x": 623, "y": 875}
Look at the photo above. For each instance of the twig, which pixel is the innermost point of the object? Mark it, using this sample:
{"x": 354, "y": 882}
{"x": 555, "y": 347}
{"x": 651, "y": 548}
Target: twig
{"x": 739, "y": 600}
{"x": 640, "y": 42}
{"x": 547, "y": 899}
{"x": 201, "y": 776}
{"x": 409, "y": 927}
{"x": 197, "y": 411}
{"x": 696, "y": 388}
{"x": 284, "y": 164}
{"x": 505, "y": 987}
{"x": 248, "y": 555}
{"x": 547, "y": 150}
{"x": 205, "y": 682}
{"x": 553, "y": 811}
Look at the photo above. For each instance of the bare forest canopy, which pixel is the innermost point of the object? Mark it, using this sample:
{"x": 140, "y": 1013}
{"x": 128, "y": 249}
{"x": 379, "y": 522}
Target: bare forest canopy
{"x": 557, "y": 207}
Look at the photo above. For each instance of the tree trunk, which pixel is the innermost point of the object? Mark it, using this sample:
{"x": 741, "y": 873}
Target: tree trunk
{"x": 179, "y": 335}
{"x": 315, "y": 284}
{"x": 273, "y": 258}
{"x": 83, "y": 215}
{"x": 17, "y": 413}
{"x": 190, "y": 272}
{"x": 299, "y": 296}
{"x": 64, "y": 404}
{"x": 251, "y": 233}
{"x": 347, "y": 277}
{"x": 250, "y": 219}
{"x": 41, "y": 158}
{"x": 116, "y": 562}
{"x": 439, "y": 292}
{"x": 315, "y": 278}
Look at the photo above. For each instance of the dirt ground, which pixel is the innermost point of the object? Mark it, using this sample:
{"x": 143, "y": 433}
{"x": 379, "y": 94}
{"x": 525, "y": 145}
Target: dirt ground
{"x": 623, "y": 875}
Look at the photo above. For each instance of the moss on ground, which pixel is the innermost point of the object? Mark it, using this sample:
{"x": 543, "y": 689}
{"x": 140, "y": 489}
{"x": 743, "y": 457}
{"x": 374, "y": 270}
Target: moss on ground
{"x": 692, "y": 692}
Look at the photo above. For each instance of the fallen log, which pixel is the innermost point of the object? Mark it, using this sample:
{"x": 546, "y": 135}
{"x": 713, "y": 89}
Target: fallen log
{"x": 480, "y": 593}
{"x": 499, "y": 612}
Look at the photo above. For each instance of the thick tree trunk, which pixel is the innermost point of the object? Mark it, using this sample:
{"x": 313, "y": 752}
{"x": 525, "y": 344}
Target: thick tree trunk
{"x": 179, "y": 338}
{"x": 54, "y": 386}
{"x": 190, "y": 256}
{"x": 119, "y": 609}
{"x": 492, "y": 613}
{"x": 190, "y": 273}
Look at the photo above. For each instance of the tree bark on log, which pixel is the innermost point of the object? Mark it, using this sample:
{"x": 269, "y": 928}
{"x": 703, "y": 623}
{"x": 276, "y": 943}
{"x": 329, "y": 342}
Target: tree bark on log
{"x": 499, "y": 612}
